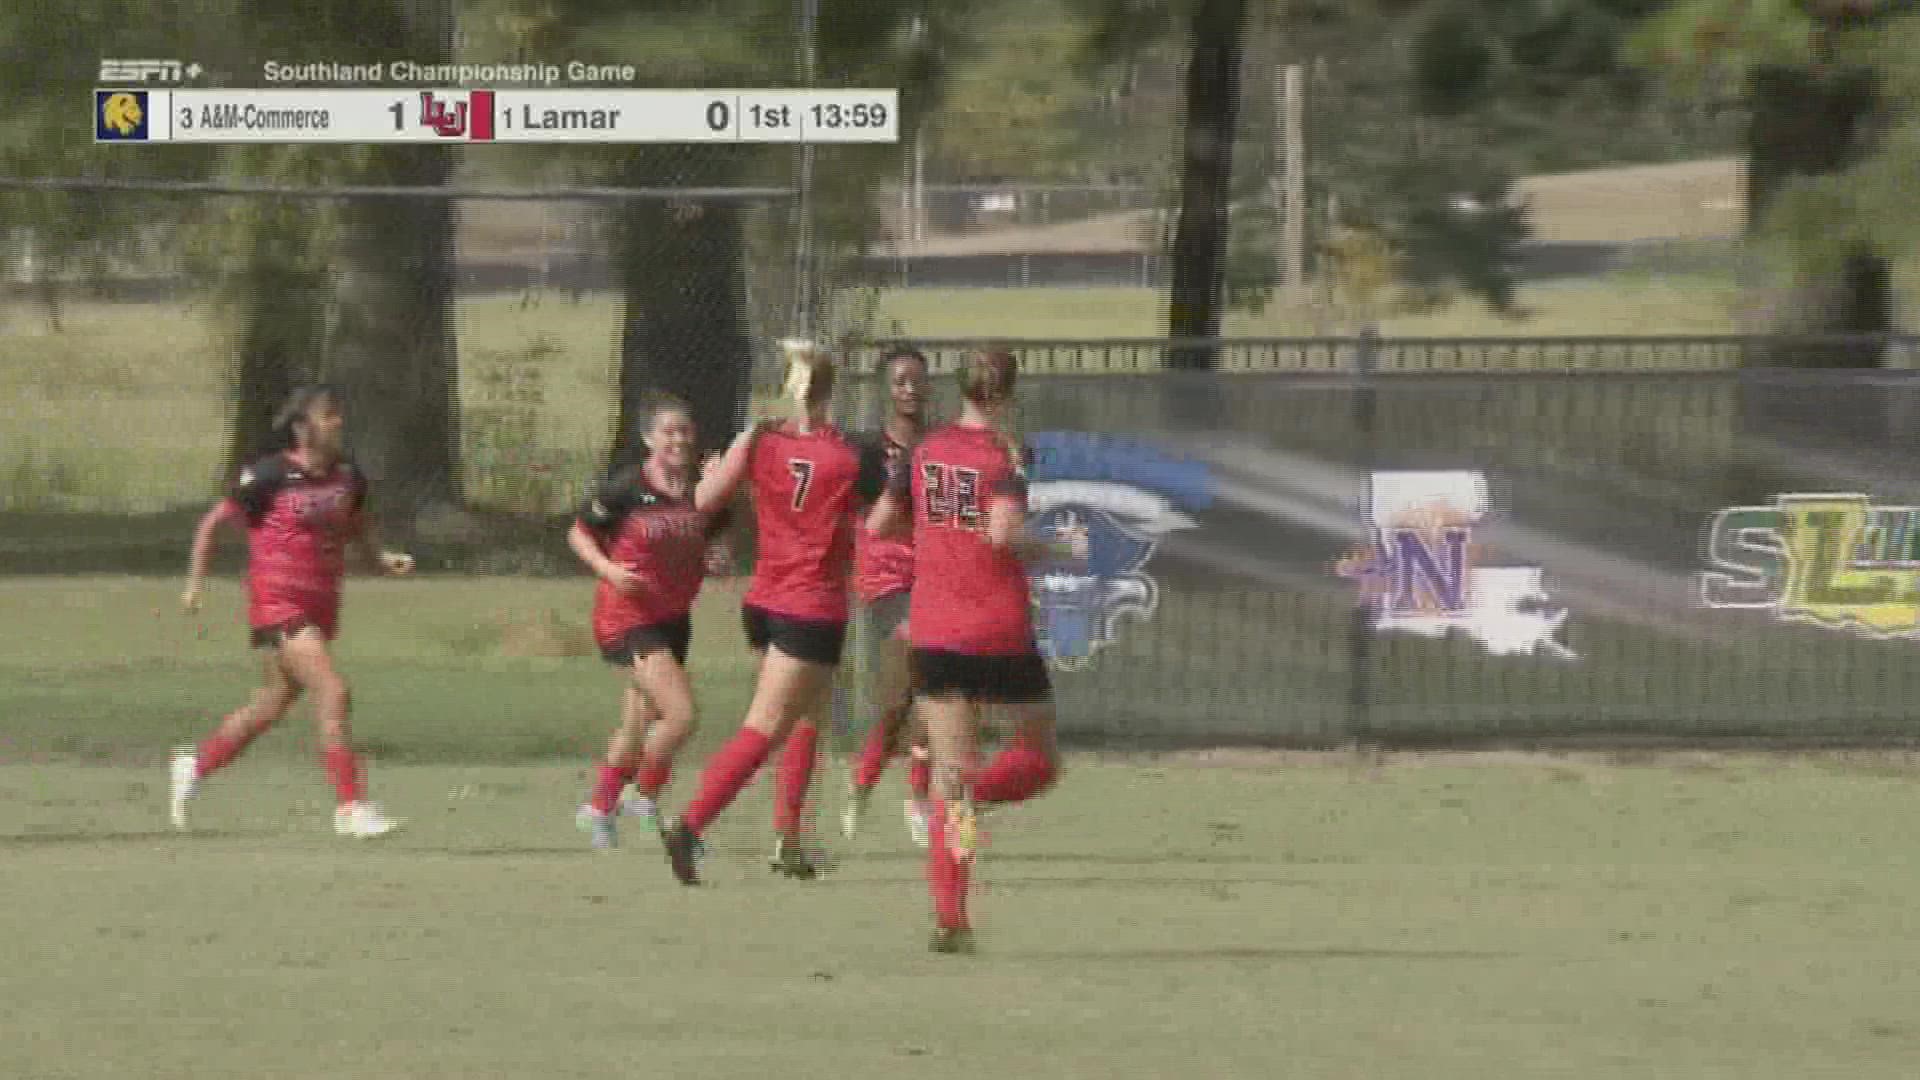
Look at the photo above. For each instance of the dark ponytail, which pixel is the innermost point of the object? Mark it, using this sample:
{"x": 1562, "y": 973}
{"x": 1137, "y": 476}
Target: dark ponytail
{"x": 298, "y": 406}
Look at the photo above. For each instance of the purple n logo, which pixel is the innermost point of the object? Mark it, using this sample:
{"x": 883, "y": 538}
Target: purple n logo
{"x": 1426, "y": 579}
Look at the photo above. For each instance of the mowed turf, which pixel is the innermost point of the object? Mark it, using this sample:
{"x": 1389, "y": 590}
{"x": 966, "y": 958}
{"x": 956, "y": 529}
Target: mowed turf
{"x": 1233, "y": 916}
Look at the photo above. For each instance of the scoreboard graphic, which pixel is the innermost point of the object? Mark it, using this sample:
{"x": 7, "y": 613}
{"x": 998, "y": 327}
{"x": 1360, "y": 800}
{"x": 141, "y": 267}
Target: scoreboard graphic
{"x": 474, "y": 115}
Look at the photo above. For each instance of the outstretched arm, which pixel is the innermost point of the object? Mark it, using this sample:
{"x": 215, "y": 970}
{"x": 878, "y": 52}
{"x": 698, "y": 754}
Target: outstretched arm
{"x": 723, "y": 477}
{"x": 201, "y": 554}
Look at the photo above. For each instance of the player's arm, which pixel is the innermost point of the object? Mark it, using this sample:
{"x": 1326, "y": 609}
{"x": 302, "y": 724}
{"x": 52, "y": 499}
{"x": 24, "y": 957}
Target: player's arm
{"x": 201, "y": 553}
{"x": 892, "y": 512}
{"x": 721, "y": 477}
{"x": 1007, "y": 526}
{"x": 598, "y": 517}
{"x": 365, "y": 539}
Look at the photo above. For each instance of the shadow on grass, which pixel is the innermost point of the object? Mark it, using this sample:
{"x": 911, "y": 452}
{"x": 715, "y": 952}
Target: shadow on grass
{"x": 1247, "y": 952}
{"x": 36, "y": 839}
{"x": 1049, "y": 858}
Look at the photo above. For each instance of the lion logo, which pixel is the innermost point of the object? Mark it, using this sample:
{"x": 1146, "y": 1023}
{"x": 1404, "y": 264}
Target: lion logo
{"x": 122, "y": 113}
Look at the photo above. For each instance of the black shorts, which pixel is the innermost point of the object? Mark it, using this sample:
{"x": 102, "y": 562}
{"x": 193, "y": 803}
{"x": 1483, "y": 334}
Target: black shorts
{"x": 888, "y": 614}
{"x": 272, "y": 637}
{"x": 674, "y": 635}
{"x": 814, "y": 641}
{"x": 996, "y": 680}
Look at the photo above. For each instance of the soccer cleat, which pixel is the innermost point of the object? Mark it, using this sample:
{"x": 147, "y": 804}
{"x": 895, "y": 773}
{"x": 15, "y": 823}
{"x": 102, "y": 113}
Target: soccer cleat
{"x": 919, "y": 813}
{"x": 963, "y": 830}
{"x": 648, "y": 811}
{"x": 362, "y": 821}
{"x": 855, "y": 809}
{"x": 951, "y": 940}
{"x": 597, "y": 825}
{"x": 184, "y": 773}
{"x": 683, "y": 852}
{"x": 790, "y": 857}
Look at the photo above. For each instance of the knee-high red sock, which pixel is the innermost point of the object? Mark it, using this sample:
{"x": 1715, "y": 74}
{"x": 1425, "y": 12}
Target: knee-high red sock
{"x": 796, "y": 773}
{"x": 606, "y": 790}
{"x": 726, "y": 773}
{"x": 920, "y": 776}
{"x": 1016, "y": 773}
{"x": 946, "y": 875}
{"x": 653, "y": 775}
{"x": 343, "y": 768}
{"x": 219, "y": 749}
{"x": 873, "y": 756}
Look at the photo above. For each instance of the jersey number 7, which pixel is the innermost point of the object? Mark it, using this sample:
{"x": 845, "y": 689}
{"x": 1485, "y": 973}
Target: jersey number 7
{"x": 802, "y": 471}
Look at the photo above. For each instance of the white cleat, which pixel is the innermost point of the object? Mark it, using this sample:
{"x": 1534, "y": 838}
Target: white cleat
{"x": 184, "y": 773}
{"x": 362, "y": 820}
{"x": 648, "y": 811}
{"x": 919, "y": 814}
{"x": 597, "y": 825}
{"x": 854, "y": 810}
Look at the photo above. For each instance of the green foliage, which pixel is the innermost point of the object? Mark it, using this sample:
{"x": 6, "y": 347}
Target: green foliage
{"x": 1453, "y": 59}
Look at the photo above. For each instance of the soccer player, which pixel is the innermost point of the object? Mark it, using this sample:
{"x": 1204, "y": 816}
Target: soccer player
{"x": 971, "y": 624}
{"x": 807, "y": 482}
{"x": 651, "y": 549}
{"x": 301, "y": 508}
{"x": 883, "y": 576}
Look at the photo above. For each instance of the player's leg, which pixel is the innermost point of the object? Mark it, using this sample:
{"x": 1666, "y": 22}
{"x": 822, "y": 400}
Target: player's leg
{"x": 663, "y": 675}
{"x": 308, "y": 662}
{"x": 617, "y": 769}
{"x": 950, "y": 735}
{"x": 818, "y": 645}
{"x": 1030, "y": 761}
{"x": 887, "y": 734}
{"x": 735, "y": 763}
{"x": 264, "y": 708}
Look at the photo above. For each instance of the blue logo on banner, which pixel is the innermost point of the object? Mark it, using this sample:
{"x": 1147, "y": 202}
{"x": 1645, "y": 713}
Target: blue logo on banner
{"x": 1125, "y": 494}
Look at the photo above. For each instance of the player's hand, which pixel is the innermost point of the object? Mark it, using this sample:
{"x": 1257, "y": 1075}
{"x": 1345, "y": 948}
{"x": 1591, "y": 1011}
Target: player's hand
{"x": 1078, "y": 545}
{"x": 397, "y": 563}
{"x": 190, "y": 598}
{"x": 719, "y": 559}
{"x": 708, "y": 464}
{"x": 622, "y": 579}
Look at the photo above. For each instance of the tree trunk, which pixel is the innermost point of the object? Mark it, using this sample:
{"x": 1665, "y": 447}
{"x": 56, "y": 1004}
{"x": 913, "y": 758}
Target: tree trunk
{"x": 281, "y": 331}
{"x": 684, "y": 328}
{"x": 393, "y": 344}
{"x": 1200, "y": 234}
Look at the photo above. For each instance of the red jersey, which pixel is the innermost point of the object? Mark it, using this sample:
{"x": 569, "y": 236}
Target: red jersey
{"x": 883, "y": 565}
{"x": 656, "y": 537}
{"x": 968, "y": 597}
{"x": 806, "y": 490}
{"x": 298, "y": 524}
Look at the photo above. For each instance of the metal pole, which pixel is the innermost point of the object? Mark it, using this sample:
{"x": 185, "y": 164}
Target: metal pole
{"x": 1294, "y": 230}
{"x": 804, "y": 313}
{"x": 1360, "y": 631}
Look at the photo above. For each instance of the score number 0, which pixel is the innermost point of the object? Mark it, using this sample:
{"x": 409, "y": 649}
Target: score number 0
{"x": 719, "y": 117}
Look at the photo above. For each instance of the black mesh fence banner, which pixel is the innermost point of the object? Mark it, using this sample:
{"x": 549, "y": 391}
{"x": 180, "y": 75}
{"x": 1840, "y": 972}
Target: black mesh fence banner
{"x": 1527, "y": 554}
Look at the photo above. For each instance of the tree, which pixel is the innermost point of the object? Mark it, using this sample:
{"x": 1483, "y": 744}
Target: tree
{"x": 684, "y": 266}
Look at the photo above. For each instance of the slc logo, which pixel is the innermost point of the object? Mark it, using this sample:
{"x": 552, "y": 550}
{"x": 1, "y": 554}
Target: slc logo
{"x": 119, "y": 115}
{"x": 1125, "y": 495}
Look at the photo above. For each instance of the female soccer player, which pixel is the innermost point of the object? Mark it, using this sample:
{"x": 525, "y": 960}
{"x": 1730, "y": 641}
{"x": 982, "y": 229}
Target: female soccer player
{"x": 651, "y": 550}
{"x": 883, "y": 577}
{"x": 971, "y": 623}
{"x": 301, "y": 507}
{"x": 806, "y": 479}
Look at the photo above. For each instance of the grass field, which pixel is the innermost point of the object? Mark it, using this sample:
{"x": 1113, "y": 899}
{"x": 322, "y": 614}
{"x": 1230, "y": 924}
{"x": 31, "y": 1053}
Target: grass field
{"x": 1230, "y": 914}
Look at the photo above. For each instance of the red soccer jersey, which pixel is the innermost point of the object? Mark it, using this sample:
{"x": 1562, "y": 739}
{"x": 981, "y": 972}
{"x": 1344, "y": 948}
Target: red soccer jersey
{"x": 660, "y": 539}
{"x": 806, "y": 489}
{"x": 883, "y": 565}
{"x": 298, "y": 523}
{"x": 967, "y": 596}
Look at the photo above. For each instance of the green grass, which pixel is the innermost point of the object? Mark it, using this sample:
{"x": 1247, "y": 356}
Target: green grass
{"x": 1423, "y": 919}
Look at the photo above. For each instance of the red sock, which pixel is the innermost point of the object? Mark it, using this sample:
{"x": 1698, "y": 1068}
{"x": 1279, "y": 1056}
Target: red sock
{"x": 727, "y": 772}
{"x": 217, "y": 751}
{"x": 873, "y": 756}
{"x": 920, "y": 776}
{"x": 946, "y": 876}
{"x": 606, "y": 791}
{"x": 1016, "y": 773}
{"x": 796, "y": 774}
{"x": 653, "y": 776}
{"x": 344, "y": 769}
